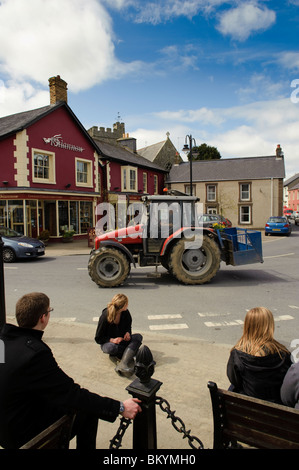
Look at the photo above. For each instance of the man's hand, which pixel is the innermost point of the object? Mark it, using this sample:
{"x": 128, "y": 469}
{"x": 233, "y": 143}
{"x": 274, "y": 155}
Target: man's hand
{"x": 131, "y": 408}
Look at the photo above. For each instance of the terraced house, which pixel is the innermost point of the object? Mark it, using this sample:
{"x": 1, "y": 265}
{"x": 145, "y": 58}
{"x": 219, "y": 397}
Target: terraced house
{"x": 245, "y": 190}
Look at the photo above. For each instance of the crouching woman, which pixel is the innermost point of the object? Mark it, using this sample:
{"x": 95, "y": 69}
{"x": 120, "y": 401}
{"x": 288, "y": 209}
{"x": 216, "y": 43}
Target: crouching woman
{"x": 114, "y": 334}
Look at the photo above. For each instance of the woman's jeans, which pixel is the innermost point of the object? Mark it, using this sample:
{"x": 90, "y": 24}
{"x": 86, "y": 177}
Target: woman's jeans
{"x": 118, "y": 349}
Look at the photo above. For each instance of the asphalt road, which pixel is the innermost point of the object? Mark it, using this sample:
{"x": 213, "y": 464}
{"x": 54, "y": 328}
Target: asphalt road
{"x": 213, "y": 312}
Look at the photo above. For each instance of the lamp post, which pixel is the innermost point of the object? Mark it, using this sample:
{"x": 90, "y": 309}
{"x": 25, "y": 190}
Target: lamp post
{"x": 188, "y": 149}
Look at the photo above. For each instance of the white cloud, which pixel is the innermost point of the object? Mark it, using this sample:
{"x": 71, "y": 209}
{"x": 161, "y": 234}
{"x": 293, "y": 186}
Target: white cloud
{"x": 73, "y": 38}
{"x": 240, "y": 131}
{"x": 289, "y": 60}
{"x": 242, "y": 21}
{"x": 18, "y": 97}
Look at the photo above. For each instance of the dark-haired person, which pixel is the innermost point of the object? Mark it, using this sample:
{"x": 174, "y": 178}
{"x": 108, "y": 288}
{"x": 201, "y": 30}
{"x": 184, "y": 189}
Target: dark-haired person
{"x": 35, "y": 392}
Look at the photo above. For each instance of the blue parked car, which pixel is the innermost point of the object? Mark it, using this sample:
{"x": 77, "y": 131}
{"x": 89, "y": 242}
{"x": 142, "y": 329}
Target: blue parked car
{"x": 278, "y": 225}
{"x": 17, "y": 245}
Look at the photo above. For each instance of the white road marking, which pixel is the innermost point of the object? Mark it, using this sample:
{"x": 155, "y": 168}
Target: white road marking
{"x": 164, "y": 317}
{"x": 174, "y": 326}
{"x": 213, "y": 314}
{"x": 293, "y": 306}
{"x": 240, "y": 322}
{"x": 279, "y": 256}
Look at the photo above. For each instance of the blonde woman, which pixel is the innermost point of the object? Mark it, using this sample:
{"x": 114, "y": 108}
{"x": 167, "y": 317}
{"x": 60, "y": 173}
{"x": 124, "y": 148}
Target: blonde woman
{"x": 114, "y": 334}
{"x": 258, "y": 363}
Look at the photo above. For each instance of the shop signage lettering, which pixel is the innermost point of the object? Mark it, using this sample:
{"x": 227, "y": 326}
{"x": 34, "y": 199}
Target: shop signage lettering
{"x": 56, "y": 141}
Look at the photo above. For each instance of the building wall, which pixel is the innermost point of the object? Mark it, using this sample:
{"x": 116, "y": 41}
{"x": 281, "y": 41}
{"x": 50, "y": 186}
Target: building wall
{"x": 293, "y": 201}
{"x": 30, "y": 204}
{"x": 61, "y": 124}
{"x": 265, "y": 199}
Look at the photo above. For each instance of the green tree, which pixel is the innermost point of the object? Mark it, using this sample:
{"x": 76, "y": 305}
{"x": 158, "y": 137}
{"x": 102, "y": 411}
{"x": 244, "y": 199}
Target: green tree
{"x": 204, "y": 152}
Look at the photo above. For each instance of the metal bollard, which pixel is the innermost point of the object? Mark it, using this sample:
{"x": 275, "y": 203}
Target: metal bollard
{"x": 2, "y": 291}
{"x": 145, "y": 388}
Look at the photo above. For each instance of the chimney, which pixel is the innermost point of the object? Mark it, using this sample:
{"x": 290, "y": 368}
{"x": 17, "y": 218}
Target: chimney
{"x": 279, "y": 152}
{"x": 128, "y": 142}
{"x": 58, "y": 90}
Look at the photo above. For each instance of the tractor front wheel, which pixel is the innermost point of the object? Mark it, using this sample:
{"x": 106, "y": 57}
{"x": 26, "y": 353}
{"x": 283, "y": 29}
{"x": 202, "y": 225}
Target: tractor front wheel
{"x": 108, "y": 267}
{"x": 195, "y": 265}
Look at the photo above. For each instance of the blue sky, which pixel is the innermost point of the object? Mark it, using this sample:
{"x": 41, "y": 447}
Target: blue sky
{"x": 226, "y": 72}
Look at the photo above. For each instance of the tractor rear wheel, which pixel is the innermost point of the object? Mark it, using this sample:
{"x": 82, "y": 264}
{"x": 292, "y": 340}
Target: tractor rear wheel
{"x": 108, "y": 267}
{"x": 195, "y": 265}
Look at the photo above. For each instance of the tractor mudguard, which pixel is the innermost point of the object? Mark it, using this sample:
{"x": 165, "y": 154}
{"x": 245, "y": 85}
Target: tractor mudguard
{"x": 119, "y": 246}
{"x": 185, "y": 233}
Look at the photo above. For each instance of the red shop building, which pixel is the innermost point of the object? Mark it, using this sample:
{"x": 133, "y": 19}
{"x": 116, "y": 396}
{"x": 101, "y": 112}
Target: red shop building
{"x": 50, "y": 174}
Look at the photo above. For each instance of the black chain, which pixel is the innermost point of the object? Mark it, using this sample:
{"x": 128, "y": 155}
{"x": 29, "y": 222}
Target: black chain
{"x": 164, "y": 405}
{"x": 115, "y": 443}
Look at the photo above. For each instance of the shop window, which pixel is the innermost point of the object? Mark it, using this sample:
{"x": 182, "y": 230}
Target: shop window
{"x": 86, "y": 220}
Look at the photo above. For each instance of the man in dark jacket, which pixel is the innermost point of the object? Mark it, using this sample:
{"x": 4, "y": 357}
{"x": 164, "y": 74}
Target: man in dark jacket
{"x": 35, "y": 392}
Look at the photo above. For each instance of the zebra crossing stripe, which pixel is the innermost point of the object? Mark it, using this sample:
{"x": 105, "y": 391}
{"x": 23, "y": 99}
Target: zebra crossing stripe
{"x": 173, "y": 326}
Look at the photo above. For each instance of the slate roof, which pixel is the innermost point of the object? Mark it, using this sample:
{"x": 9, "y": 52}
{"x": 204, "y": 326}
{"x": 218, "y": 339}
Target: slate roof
{"x": 151, "y": 151}
{"x": 17, "y": 122}
{"x": 228, "y": 169}
{"x": 122, "y": 155}
{"x": 291, "y": 179}
{"x": 9, "y": 125}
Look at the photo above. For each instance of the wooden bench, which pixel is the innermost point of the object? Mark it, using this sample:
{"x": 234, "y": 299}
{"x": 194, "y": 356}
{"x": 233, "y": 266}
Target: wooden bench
{"x": 56, "y": 436}
{"x": 257, "y": 423}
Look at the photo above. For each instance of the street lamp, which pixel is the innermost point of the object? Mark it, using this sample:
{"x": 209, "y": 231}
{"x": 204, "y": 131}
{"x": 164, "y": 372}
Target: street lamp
{"x": 188, "y": 149}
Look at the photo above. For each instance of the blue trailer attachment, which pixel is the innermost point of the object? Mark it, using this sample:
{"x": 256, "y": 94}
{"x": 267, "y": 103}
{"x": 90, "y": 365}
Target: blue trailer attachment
{"x": 240, "y": 246}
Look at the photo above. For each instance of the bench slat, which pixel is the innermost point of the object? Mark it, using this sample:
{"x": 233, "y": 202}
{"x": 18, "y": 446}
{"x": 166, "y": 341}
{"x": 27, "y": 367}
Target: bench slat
{"x": 255, "y": 422}
{"x": 56, "y": 436}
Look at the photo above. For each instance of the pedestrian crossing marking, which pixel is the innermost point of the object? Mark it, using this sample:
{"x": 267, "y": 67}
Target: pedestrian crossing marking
{"x": 164, "y": 316}
{"x": 173, "y": 326}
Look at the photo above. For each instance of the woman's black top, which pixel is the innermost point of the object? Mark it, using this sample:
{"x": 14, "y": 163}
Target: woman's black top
{"x": 106, "y": 330}
{"x": 258, "y": 376}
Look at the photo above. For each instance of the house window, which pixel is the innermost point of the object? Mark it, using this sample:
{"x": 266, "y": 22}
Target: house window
{"x": 145, "y": 182}
{"x": 245, "y": 192}
{"x": 43, "y": 167}
{"x": 129, "y": 179}
{"x": 245, "y": 214}
{"x": 83, "y": 172}
{"x": 155, "y": 184}
{"x": 187, "y": 189}
{"x": 211, "y": 192}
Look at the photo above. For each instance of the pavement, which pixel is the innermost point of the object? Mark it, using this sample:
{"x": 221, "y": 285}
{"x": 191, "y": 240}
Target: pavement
{"x": 183, "y": 366}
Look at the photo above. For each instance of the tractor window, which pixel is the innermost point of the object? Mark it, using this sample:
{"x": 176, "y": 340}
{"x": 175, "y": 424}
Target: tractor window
{"x": 165, "y": 219}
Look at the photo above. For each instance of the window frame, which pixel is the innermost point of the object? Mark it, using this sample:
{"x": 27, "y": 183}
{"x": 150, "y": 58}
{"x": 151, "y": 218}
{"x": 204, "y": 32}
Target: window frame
{"x": 241, "y": 192}
{"x": 126, "y": 180}
{"x": 208, "y": 198}
{"x": 51, "y": 179}
{"x": 241, "y": 215}
{"x": 88, "y": 183}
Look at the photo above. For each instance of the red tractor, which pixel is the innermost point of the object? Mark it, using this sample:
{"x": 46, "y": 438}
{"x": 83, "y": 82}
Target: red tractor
{"x": 168, "y": 234}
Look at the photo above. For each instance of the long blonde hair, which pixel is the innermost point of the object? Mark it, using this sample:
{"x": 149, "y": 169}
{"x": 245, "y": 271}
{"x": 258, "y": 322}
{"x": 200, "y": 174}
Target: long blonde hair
{"x": 117, "y": 303}
{"x": 258, "y": 334}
